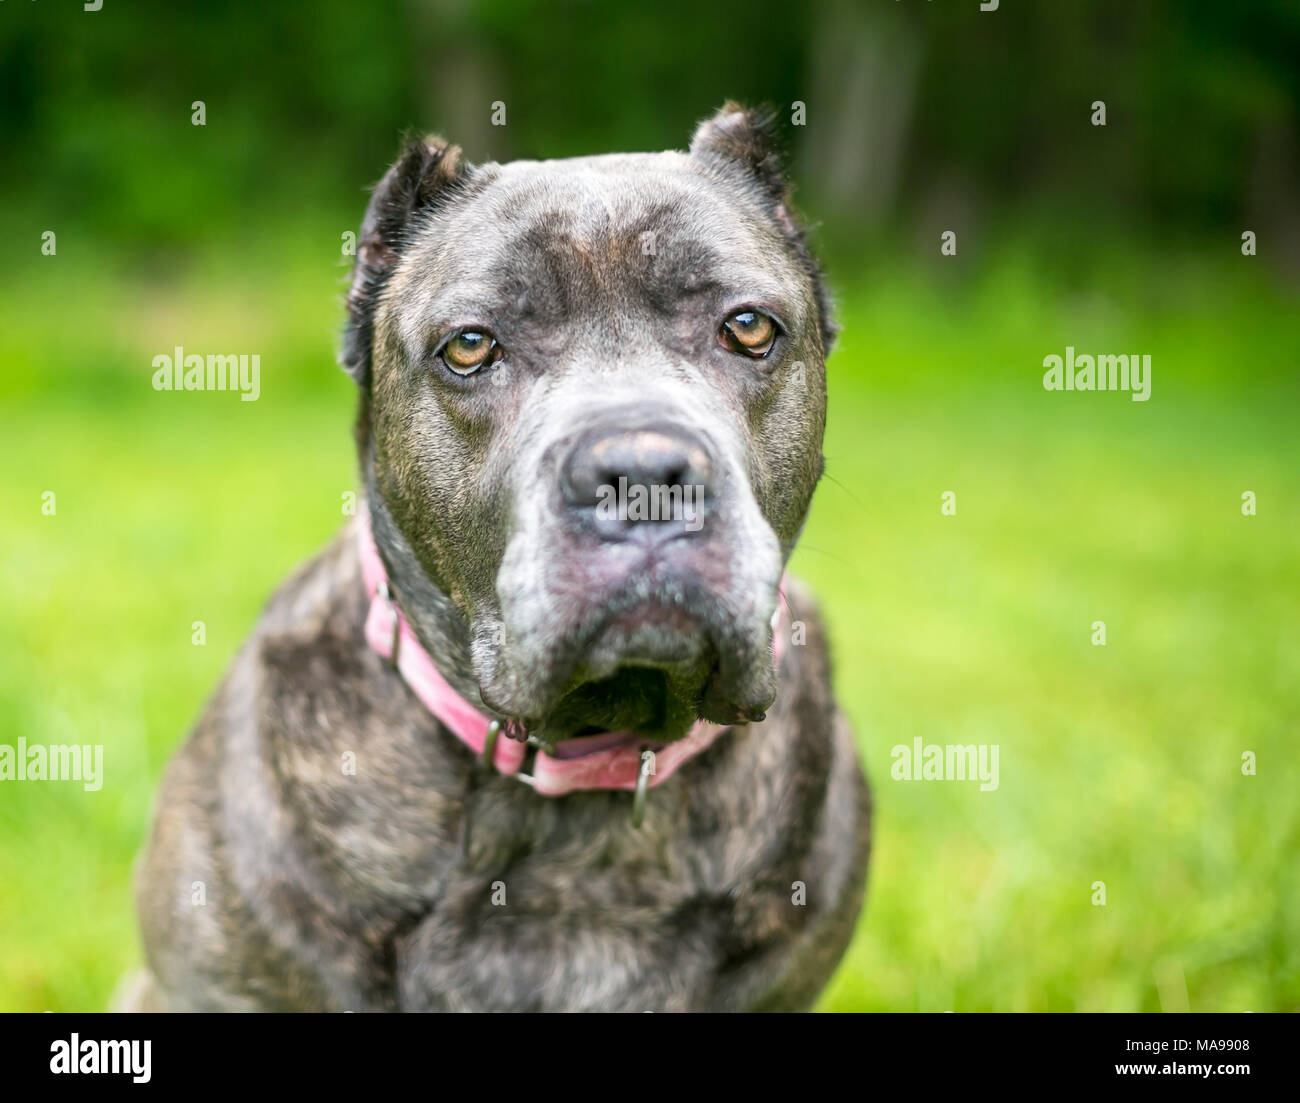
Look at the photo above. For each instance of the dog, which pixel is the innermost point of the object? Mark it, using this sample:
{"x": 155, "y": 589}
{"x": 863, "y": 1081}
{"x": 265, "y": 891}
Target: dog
{"x": 520, "y": 739}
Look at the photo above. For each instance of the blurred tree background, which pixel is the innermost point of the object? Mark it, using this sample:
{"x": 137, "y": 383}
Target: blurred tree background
{"x": 1120, "y": 764}
{"x": 918, "y": 112}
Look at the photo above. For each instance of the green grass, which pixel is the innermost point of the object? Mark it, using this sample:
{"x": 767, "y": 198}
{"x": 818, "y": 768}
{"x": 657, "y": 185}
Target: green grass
{"x": 1118, "y": 764}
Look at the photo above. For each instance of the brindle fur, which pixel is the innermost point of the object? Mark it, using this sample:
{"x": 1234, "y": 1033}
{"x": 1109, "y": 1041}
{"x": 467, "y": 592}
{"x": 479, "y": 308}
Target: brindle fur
{"x": 380, "y": 889}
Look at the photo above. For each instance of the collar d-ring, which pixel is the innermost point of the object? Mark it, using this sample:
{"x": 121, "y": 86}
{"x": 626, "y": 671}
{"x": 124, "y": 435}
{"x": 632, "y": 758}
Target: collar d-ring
{"x": 384, "y": 594}
{"x": 642, "y": 793}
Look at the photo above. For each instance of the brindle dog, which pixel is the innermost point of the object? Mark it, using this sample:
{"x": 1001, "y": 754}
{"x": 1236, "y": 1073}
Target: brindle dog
{"x": 523, "y": 335}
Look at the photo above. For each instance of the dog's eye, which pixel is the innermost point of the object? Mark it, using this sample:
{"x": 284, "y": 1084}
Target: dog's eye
{"x": 750, "y": 332}
{"x": 470, "y": 350}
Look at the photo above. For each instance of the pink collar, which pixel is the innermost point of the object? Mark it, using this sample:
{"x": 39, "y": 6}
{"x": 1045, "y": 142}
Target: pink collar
{"x": 619, "y": 767}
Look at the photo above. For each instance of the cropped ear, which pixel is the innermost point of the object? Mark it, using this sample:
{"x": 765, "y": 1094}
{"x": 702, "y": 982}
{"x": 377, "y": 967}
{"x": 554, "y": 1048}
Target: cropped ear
{"x": 424, "y": 173}
{"x": 745, "y": 139}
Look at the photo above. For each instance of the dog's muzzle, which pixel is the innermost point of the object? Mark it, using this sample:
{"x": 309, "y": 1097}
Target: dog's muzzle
{"x": 605, "y": 760}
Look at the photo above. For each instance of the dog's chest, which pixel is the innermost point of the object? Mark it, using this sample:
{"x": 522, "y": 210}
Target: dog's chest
{"x": 563, "y": 905}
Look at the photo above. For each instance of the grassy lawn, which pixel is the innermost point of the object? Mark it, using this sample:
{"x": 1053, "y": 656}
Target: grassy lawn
{"x": 1118, "y": 763}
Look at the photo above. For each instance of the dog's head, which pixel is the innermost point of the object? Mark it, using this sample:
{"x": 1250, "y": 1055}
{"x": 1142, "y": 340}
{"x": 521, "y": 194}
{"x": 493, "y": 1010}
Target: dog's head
{"x": 591, "y": 423}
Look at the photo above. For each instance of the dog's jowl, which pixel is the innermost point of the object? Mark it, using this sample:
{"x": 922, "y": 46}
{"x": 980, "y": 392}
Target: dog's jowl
{"x": 547, "y": 726}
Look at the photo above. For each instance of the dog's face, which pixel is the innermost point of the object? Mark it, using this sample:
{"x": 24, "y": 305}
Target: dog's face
{"x": 594, "y": 402}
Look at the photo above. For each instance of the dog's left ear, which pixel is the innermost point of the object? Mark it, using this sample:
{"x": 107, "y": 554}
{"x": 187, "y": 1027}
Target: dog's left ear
{"x": 423, "y": 174}
{"x": 745, "y": 138}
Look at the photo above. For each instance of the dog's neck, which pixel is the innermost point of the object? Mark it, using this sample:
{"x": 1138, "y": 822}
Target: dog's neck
{"x": 432, "y": 615}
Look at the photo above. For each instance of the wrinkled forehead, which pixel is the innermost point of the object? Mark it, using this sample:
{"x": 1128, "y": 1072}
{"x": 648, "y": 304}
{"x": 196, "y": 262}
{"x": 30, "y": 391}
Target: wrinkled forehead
{"x": 549, "y": 240}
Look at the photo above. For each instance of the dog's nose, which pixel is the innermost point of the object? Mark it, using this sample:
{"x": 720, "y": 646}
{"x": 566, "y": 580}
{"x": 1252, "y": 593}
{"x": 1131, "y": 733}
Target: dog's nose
{"x": 649, "y": 483}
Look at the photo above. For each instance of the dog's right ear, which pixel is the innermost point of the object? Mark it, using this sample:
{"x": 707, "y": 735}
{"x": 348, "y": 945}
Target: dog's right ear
{"x": 745, "y": 137}
{"x": 422, "y": 175}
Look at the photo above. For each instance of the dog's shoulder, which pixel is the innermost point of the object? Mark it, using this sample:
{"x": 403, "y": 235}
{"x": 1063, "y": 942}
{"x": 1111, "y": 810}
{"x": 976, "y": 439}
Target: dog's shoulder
{"x": 322, "y": 600}
{"x": 828, "y": 841}
{"x": 307, "y": 785}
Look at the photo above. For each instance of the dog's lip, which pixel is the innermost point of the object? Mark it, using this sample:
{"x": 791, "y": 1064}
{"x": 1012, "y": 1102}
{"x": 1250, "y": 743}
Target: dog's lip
{"x": 582, "y": 745}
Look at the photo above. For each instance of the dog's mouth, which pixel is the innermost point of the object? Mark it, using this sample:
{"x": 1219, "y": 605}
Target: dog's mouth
{"x": 645, "y": 672}
{"x": 631, "y": 638}
{"x": 631, "y": 703}
{"x": 636, "y": 684}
